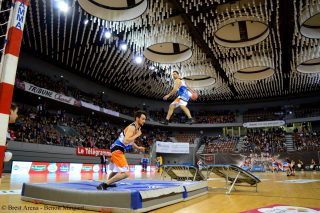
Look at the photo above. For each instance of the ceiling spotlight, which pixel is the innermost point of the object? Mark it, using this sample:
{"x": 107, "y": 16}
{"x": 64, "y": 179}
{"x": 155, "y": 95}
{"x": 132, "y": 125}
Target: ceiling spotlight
{"x": 63, "y": 6}
{"x": 86, "y": 21}
{"x": 138, "y": 59}
{"x": 61, "y": 76}
{"x": 124, "y": 47}
{"x": 107, "y": 34}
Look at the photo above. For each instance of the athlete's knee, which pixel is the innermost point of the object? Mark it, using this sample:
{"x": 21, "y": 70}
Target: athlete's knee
{"x": 126, "y": 174}
{"x": 184, "y": 108}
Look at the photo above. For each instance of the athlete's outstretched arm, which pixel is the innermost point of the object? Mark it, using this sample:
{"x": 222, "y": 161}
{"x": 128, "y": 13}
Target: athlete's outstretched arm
{"x": 141, "y": 148}
{"x": 189, "y": 88}
{"x": 130, "y": 136}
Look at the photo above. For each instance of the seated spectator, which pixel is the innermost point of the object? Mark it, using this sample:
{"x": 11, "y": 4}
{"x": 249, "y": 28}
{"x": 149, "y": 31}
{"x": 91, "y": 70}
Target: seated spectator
{"x": 219, "y": 144}
{"x": 271, "y": 141}
{"x": 307, "y": 141}
{"x": 186, "y": 137}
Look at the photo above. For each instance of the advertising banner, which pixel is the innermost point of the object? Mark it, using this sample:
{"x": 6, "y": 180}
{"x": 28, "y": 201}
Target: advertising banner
{"x": 61, "y": 98}
{"x": 92, "y": 151}
{"x": 169, "y": 147}
{"x": 46, "y": 93}
{"x": 27, "y": 168}
{"x": 264, "y": 124}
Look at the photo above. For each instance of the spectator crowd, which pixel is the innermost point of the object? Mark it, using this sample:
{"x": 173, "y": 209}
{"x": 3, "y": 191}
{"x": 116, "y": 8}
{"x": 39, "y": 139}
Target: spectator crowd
{"x": 271, "y": 141}
{"x": 39, "y": 125}
{"x": 307, "y": 141}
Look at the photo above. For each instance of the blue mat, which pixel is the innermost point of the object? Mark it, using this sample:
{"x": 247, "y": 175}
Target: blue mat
{"x": 135, "y": 195}
{"x": 124, "y": 185}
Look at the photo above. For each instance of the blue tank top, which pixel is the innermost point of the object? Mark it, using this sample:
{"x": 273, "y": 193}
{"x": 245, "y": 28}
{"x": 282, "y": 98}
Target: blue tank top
{"x": 183, "y": 91}
{"x": 120, "y": 139}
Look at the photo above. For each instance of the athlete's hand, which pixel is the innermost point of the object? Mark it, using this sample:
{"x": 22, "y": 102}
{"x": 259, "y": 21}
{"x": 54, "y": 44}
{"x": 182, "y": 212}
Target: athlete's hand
{"x": 141, "y": 148}
{"x": 166, "y": 97}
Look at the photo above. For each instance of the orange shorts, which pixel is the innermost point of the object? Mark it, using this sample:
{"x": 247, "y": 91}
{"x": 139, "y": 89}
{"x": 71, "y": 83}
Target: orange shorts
{"x": 118, "y": 162}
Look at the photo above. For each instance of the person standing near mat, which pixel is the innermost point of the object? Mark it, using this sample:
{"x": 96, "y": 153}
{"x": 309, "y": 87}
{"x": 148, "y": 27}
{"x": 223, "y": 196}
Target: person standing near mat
{"x": 118, "y": 164}
{"x": 12, "y": 119}
{"x": 159, "y": 164}
{"x": 184, "y": 94}
{"x": 144, "y": 163}
{"x": 104, "y": 162}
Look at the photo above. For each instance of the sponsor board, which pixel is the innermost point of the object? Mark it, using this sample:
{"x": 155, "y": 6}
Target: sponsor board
{"x": 169, "y": 147}
{"x": 25, "y": 168}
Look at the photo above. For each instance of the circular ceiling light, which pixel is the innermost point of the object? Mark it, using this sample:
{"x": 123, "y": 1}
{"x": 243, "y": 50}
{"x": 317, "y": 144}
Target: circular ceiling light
{"x": 311, "y": 66}
{"x": 168, "y": 52}
{"x": 241, "y": 32}
{"x": 309, "y": 61}
{"x": 254, "y": 73}
{"x": 251, "y": 68}
{"x": 200, "y": 81}
{"x": 310, "y": 21}
{"x": 114, "y": 10}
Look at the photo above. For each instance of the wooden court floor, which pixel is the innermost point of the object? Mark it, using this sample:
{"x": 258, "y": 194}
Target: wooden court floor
{"x": 272, "y": 190}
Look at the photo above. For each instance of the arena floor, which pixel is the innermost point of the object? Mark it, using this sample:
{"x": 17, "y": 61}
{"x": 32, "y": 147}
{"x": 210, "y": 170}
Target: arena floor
{"x": 276, "y": 188}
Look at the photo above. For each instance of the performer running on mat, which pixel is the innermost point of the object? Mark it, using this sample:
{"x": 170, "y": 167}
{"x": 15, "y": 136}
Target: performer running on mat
{"x": 184, "y": 94}
{"x": 118, "y": 163}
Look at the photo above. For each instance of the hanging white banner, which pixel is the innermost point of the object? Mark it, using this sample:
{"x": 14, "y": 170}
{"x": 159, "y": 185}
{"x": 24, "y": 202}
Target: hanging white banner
{"x": 46, "y": 93}
{"x": 61, "y": 98}
{"x": 169, "y": 147}
{"x": 264, "y": 124}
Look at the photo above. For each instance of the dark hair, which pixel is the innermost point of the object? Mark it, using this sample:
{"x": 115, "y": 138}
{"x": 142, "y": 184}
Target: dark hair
{"x": 138, "y": 113}
{"x": 14, "y": 106}
{"x": 176, "y": 72}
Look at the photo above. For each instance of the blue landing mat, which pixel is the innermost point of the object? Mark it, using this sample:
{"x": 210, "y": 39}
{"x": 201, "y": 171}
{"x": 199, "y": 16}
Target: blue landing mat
{"x": 128, "y": 195}
{"x": 124, "y": 185}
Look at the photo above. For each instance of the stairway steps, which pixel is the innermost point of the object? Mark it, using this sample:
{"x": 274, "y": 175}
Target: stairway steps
{"x": 290, "y": 143}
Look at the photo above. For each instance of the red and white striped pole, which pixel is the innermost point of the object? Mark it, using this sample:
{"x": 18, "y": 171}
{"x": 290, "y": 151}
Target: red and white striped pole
{"x": 9, "y": 68}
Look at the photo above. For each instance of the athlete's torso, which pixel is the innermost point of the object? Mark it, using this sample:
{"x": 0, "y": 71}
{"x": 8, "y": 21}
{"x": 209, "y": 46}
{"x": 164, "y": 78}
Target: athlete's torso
{"x": 120, "y": 140}
{"x": 183, "y": 91}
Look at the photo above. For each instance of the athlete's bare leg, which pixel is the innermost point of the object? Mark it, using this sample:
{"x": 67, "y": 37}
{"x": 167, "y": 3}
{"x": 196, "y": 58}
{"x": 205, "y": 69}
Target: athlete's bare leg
{"x": 170, "y": 111}
{"x": 114, "y": 177}
{"x": 112, "y": 174}
{"x": 186, "y": 111}
{"x": 118, "y": 176}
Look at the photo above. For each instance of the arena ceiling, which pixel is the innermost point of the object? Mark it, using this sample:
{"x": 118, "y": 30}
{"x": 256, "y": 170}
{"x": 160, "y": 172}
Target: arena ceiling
{"x": 226, "y": 49}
